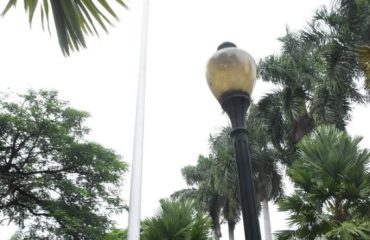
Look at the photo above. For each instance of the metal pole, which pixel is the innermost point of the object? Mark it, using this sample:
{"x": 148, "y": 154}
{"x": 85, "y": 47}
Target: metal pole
{"x": 235, "y": 105}
{"x": 136, "y": 170}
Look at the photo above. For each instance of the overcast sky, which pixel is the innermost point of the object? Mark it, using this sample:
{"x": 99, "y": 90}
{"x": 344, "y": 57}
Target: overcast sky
{"x": 180, "y": 112}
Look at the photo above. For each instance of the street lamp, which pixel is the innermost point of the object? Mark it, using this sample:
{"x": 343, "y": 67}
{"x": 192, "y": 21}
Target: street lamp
{"x": 231, "y": 75}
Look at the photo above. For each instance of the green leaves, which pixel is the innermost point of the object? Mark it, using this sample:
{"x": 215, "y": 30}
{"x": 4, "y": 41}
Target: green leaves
{"x": 73, "y": 19}
{"x": 332, "y": 188}
{"x": 51, "y": 179}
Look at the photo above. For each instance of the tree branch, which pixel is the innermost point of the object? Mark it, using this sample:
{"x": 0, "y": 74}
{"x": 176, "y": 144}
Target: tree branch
{"x": 27, "y": 159}
{"x": 47, "y": 171}
{"x": 32, "y": 211}
{"x": 12, "y": 202}
{"x": 29, "y": 195}
{"x": 13, "y": 148}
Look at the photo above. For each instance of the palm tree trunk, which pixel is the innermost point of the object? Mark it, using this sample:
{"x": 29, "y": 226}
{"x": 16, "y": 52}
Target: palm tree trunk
{"x": 217, "y": 233}
{"x": 231, "y": 228}
{"x": 266, "y": 220}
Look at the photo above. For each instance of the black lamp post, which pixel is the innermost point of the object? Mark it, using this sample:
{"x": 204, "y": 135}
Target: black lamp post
{"x": 231, "y": 75}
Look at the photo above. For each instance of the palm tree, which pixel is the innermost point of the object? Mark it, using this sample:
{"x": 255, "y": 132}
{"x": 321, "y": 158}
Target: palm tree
{"x": 214, "y": 184}
{"x": 226, "y": 182}
{"x": 317, "y": 74}
{"x": 267, "y": 175}
{"x": 202, "y": 191}
{"x": 176, "y": 220}
{"x": 267, "y": 172}
{"x": 331, "y": 197}
{"x": 344, "y": 29}
{"x": 73, "y": 19}
{"x": 284, "y": 113}
{"x": 340, "y": 36}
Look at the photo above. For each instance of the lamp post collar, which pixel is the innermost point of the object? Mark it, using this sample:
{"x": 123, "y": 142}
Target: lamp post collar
{"x": 236, "y": 104}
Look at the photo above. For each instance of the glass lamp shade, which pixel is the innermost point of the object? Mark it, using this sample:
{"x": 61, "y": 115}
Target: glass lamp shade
{"x": 231, "y": 69}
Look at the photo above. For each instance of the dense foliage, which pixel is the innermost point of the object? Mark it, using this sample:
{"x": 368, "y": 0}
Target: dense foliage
{"x": 320, "y": 72}
{"x": 331, "y": 197}
{"x": 53, "y": 183}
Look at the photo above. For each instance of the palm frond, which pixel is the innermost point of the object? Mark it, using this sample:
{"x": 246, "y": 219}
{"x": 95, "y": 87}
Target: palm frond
{"x": 331, "y": 181}
{"x": 350, "y": 231}
{"x": 176, "y": 220}
{"x": 73, "y": 19}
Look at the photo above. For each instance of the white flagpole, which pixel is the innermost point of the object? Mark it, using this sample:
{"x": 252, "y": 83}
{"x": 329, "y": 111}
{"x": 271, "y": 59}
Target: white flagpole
{"x": 136, "y": 170}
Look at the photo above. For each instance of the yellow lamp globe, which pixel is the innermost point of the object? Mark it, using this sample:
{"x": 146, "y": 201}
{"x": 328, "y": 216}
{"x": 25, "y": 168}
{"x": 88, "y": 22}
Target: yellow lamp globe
{"x": 231, "y": 69}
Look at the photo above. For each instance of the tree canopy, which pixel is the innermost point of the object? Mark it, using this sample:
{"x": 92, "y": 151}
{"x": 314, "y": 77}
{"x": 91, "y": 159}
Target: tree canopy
{"x": 53, "y": 182}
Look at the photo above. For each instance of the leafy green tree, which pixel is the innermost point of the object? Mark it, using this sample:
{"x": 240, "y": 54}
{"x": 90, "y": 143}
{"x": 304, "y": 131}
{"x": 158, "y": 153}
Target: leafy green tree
{"x": 331, "y": 197}
{"x": 53, "y": 182}
{"x": 73, "y": 19}
{"x": 176, "y": 220}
